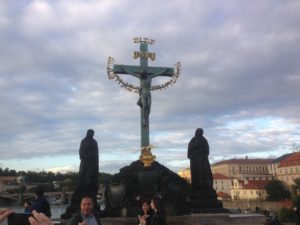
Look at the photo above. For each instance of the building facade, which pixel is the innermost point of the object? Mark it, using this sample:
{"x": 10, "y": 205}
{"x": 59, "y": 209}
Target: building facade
{"x": 289, "y": 169}
{"x": 8, "y": 183}
{"x": 222, "y": 184}
{"x": 248, "y": 189}
{"x": 273, "y": 166}
{"x": 246, "y": 178}
{"x": 244, "y": 169}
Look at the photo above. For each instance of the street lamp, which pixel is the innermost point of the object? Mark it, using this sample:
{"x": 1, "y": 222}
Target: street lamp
{"x": 21, "y": 181}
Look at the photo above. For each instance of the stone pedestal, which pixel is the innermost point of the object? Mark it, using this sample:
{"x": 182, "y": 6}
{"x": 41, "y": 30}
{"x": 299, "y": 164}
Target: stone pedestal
{"x": 137, "y": 182}
{"x": 195, "y": 219}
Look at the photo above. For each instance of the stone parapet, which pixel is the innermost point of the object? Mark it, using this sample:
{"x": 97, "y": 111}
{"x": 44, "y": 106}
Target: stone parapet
{"x": 198, "y": 219}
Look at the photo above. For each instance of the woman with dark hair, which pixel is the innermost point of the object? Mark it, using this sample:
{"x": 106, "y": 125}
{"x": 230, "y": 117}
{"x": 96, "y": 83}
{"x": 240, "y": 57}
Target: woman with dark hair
{"x": 40, "y": 204}
{"x": 146, "y": 214}
{"x": 158, "y": 217}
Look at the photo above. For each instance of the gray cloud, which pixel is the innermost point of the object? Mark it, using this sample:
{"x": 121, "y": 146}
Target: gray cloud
{"x": 240, "y": 77}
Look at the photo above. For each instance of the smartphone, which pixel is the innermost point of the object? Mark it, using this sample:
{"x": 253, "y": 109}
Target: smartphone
{"x": 19, "y": 219}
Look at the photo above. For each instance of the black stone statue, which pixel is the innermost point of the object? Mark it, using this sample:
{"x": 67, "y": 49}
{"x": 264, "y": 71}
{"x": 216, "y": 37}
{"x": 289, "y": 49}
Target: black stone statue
{"x": 198, "y": 151}
{"x": 202, "y": 196}
{"x": 89, "y": 165}
{"x": 88, "y": 176}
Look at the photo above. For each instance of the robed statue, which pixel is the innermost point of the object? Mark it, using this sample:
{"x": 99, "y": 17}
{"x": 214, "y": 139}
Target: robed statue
{"x": 88, "y": 175}
{"x": 198, "y": 151}
{"x": 89, "y": 164}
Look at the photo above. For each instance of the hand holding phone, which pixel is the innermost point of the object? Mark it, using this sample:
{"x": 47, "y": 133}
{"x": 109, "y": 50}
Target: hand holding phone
{"x": 4, "y": 213}
{"x": 39, "y": 219}
{"x": 18, "y": 219}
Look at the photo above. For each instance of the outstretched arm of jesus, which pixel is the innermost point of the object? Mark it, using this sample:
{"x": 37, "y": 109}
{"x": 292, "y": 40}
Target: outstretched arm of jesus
{"x": 127, "y": 71}
{"x": 160, "y": 73}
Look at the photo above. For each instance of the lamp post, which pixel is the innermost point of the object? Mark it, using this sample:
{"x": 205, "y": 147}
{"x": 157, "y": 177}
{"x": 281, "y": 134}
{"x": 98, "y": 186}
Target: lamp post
{"x": 21, "y": 181}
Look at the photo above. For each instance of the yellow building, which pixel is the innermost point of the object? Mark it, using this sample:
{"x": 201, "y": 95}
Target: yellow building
{"x": 244, "y": 169}
{"x": 185, "y": 174}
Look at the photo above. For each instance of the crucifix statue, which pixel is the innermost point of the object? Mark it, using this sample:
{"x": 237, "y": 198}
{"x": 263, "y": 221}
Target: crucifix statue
{"x": 145, "y": 74}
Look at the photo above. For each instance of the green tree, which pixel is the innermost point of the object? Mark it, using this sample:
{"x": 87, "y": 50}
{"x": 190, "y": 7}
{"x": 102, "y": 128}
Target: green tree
{"x": 296, "y": 185}
{"x": 276, "y": 191}
{"x": 47, "y": 178}
{"x": 104, "y": 177}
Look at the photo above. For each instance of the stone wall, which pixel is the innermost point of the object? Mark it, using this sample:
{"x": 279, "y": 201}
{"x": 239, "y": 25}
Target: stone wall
{"x": 251, "y": 204}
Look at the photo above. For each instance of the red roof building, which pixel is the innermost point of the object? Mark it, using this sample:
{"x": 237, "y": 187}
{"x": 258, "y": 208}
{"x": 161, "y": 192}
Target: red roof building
{"x": 222, "y": 183}
{"x": 248, "y": 189}
{"x": 289, "y": 168}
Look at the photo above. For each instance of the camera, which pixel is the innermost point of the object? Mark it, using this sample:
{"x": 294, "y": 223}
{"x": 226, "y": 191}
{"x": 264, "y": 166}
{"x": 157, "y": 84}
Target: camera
{"x": 19, "y": 219}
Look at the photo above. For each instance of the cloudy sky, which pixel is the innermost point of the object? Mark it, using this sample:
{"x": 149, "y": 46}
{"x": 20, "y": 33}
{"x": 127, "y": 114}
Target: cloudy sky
{"x": 240, "y": 79}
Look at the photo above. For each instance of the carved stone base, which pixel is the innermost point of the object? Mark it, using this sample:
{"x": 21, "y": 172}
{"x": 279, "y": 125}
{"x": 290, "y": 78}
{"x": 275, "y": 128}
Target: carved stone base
{"x": 137, "y": 182}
